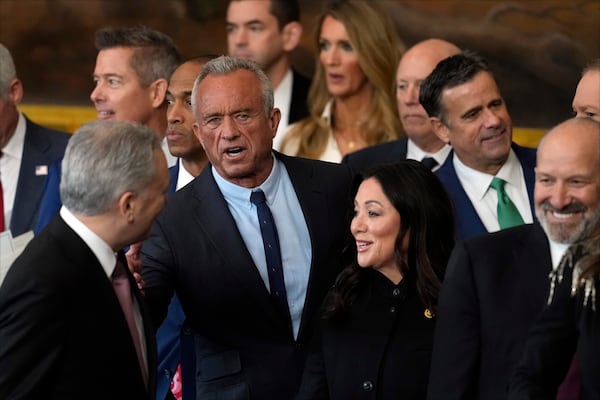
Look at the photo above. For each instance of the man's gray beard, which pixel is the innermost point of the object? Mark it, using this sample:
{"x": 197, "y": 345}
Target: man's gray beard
{"x": 567, "y": 233}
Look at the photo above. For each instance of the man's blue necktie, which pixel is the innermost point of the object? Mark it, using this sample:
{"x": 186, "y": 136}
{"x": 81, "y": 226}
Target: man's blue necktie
{"x": 272, "y": 253}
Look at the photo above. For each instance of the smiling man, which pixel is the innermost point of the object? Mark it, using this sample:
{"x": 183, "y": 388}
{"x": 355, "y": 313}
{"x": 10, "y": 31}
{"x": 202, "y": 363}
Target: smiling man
{"x": 488, "y": 177}
{"x": 496, "y": 284}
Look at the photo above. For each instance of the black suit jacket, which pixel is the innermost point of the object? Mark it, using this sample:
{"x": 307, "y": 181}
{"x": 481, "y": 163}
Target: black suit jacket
{"x": 388, "y": 152}
{"x": 243, "y": 347}
{"x": 299, "y": 103}
{"x": 62, "y": 332}
{"x": 566, "y": 325}
{"x": 42, "y": 147}
{"x": 495, "y": 285}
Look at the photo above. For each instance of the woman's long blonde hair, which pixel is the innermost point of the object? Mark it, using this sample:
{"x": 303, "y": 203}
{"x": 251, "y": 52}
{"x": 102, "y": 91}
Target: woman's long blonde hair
{"x": 378, "y": 47}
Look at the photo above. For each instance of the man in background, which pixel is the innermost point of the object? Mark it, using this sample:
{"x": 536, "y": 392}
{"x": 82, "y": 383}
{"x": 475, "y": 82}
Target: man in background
{"x": 586, "y": 102}
{"x": 132, "y": 72}
{"x": 72, "y": 322}
{"x": 489, "y": 178}
{"x": 266, "y": 32}
{"x": 26, "y": 152}
{"x": 421, "y": 143}
{"x": 183, "y": 144}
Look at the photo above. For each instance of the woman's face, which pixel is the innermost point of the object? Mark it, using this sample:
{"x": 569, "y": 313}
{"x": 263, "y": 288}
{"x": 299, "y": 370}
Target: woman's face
{"x": 375, "y": 227}
{"x": 342, "y": 70}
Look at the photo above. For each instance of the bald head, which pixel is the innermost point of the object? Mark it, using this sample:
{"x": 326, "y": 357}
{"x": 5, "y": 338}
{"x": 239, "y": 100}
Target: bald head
{"x": 567, "y": 188}
{"x": 415, "y": 65}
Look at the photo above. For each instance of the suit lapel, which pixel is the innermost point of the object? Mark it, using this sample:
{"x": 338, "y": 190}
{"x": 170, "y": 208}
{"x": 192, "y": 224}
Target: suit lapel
{"x": 215, "y": 219}
{"x": 30, "y": 185}
{"x": 527, "y": 158}
{"x": 468, "y": 223}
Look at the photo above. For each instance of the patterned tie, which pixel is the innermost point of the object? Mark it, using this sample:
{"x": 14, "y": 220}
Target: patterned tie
{"x": 508, "y": 215}
{"x": 1, "y": 203}
{"x": 429, "y": 162}
{"x": 122, "y": 288}
{"x": 272, "y": 253}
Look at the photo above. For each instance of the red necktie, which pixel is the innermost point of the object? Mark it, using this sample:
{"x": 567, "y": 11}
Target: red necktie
{"x": 1, "y": 203}
{"x": 122, "y": 289}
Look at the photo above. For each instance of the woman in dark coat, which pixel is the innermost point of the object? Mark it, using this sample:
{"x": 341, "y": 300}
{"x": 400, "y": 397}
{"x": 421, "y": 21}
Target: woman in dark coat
{"x": 374, "y": 340}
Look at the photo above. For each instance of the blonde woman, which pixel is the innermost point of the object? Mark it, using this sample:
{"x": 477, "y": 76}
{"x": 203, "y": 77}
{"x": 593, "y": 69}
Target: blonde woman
{"x": 351, "y": 99}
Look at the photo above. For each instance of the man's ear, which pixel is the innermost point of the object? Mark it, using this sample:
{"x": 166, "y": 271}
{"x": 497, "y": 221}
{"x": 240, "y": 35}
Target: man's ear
{"x": 440, "y": 129}
{"x": 292, "y": 33}
{"x": 15, "y": 91}
{"x": 274, "y": 120}
{"x": 126, "y": 205}
{"x": 158, "y": 92}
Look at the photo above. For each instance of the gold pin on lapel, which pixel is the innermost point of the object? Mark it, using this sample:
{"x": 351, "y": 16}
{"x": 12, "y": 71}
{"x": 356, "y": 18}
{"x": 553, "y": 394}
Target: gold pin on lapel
{"x": 428, "y": 313}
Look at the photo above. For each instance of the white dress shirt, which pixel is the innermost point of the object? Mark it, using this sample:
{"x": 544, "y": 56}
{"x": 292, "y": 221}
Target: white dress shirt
{"x": 485, "y": 199}
{"x": 10, "y": 165}
{"x": 414, "y": 152}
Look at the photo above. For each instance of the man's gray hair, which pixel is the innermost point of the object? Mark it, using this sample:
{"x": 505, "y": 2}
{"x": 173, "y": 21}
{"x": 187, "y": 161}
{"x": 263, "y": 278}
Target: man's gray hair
{"x": 225, "y": 65}
{"x": 103, "y": 160}
{"x": 7, "y": 71}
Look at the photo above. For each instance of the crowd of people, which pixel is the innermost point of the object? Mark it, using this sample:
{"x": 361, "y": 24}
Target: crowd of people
{"x": 231, "y": 229}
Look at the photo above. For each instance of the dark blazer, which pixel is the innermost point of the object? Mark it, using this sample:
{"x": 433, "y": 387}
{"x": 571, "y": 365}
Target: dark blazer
{"x": 244, "y": 349}
{"x": 168, "y": 334}
{"x": 563, "y": 326}
{"x": 299, "y": 103}
{"x": 63, "y": 333}
{"x": 389, "y": 152}
{"x": 495, "y": 285}
{"x": 468, "y": 223}
{"x": 42, "y": 147}
{"x": 380, "y": 348}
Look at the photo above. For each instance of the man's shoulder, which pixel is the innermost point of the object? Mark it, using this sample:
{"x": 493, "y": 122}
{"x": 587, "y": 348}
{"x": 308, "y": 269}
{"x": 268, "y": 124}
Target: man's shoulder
{"x": 378, "y": 154}
{"x": 487, "y": 242}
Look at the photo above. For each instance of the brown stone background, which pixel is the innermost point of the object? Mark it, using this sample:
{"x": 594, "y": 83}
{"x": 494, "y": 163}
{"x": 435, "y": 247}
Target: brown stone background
{"x": 536, "y": 47}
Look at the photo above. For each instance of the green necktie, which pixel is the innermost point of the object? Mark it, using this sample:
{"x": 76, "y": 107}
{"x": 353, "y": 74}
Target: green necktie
{"x": 508, "y": 215}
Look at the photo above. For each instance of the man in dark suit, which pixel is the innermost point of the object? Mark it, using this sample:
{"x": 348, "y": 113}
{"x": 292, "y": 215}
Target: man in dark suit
{"x": 66, "y": 333}
{"x": 467, "y": 111}
{"x": 496, "y": 284}
{"x": 131, "y": 75}
{"x": 26, "y": 151}
{"x": 421, "y": 142}
{"x": 183, "y": 144}
{"x": 207, "y": 244}
{"x": 567, "y": 198}
{"x": 266, "y": 32}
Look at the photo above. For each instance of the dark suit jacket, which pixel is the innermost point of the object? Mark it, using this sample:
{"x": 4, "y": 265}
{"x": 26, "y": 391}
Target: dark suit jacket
{"x": 63, "y": 333}
{"x": 299, "y": 103}
{"x": 42, "y": 147}
{"x": 468, "y": 223}
{"x": 389, "y": 152}
{"x": 244, "y": 349}
{"x": 563, "y": 326}
{"x": 495, "y": 285}
{"x": 167, "y": 337}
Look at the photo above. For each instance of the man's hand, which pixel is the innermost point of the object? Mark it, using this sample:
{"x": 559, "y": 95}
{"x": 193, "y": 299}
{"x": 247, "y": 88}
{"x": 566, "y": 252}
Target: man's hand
{"x": 134, "y": 262}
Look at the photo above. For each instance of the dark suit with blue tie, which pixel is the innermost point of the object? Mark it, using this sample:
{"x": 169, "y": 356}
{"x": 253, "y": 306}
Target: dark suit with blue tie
{"x": 42, "y": 147}
{"x": 243, "y": 347}
{"x": 468, "y": 223}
